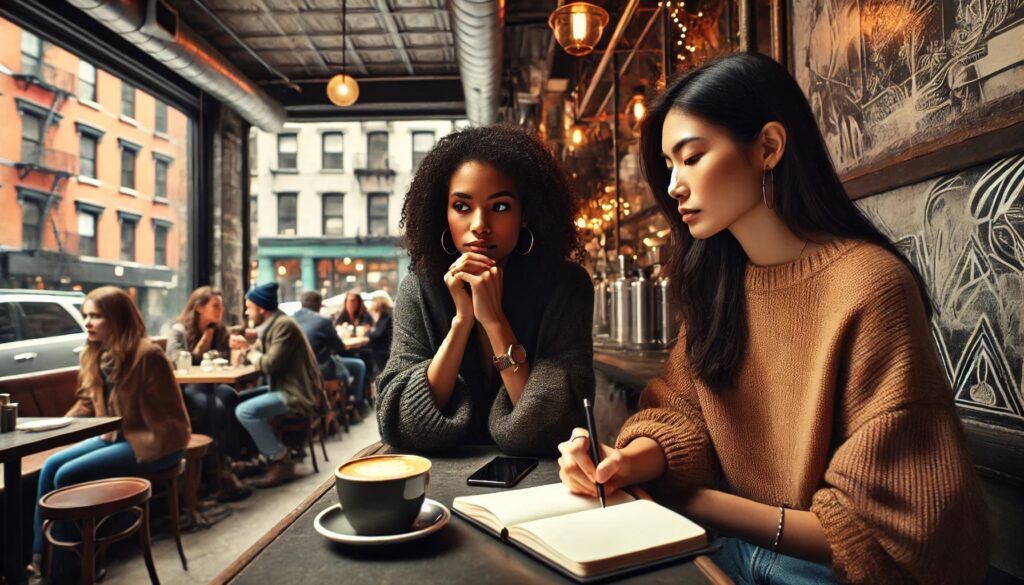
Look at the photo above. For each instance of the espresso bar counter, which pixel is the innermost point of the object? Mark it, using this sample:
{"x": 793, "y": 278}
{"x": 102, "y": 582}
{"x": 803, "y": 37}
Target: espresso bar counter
{"x": 293, "y": 552}
{"x": 629, "y": 367}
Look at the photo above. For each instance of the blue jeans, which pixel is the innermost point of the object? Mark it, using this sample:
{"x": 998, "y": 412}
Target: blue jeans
{"x": 747, "y": 564}
{"x": 89, "y": 460}
{"x": 253, "y": 413}
{"x": 357, "y": 368}
{"x": 225, "y": 399}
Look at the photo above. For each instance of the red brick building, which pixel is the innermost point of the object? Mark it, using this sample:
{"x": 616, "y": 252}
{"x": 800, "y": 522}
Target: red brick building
{"x": 93, "y": 175}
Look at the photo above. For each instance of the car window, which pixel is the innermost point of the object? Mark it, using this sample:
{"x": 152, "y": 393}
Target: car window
{"x": 8, "y": 332}
{"x": 46, "y": 320}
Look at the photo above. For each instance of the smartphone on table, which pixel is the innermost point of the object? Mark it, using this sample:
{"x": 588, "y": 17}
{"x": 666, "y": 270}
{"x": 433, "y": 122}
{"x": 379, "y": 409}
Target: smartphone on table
{"x": 502, "y": 472}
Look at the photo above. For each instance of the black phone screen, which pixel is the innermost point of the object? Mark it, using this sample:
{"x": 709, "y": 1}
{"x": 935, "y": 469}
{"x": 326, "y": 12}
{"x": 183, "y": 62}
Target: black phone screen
{"x": 502, "y": 471}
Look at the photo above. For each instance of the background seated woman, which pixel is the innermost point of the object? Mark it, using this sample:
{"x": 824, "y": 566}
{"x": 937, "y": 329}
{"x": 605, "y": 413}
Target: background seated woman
{"x": 122, "y": 374}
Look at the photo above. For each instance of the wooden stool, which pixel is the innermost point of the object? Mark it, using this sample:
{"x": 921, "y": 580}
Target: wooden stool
{"x": 295, "y": 423}
{"x": 169, "y": 479}
{"x": 89, "y": 505}
{"x": 198, "y": 447}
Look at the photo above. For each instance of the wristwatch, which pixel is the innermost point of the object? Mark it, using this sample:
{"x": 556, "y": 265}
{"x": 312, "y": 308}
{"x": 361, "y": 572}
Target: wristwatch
{"x": 514, "y": 357}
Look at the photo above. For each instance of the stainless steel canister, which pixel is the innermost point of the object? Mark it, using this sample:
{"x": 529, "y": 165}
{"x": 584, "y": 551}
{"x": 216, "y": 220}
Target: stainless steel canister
{"x": 666, "y": 314}
{"x": 622, "y": 313}
{"x": 601, "y": 308}
{"x": 642, "y": 297}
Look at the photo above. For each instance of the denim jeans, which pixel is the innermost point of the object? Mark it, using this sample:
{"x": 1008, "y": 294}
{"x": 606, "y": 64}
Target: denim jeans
{"x": 257, "y": 407}
{"x": 225, "y": 399}
{"x": 357, "y": 368}
{"x": 89, "y": 460}
{"x": 748, "y": 564}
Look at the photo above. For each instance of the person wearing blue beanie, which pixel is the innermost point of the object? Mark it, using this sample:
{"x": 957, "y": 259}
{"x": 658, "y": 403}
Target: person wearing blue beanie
{"x": 286, "y": 360}
{"x": 264, "y": 295}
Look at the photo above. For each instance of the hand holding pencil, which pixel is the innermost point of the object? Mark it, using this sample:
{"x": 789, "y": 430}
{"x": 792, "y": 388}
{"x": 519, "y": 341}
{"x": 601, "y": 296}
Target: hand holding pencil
{"x": 578, "y": 471}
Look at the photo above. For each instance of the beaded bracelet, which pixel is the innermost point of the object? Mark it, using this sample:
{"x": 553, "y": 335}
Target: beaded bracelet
{"x": 778, "y": 533}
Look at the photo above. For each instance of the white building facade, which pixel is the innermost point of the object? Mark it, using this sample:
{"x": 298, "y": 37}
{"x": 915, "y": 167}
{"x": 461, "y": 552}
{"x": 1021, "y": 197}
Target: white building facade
{"x": 327, "y": 200}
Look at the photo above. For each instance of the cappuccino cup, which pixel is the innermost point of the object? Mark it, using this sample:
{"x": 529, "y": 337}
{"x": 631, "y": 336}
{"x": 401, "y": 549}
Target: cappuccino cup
{"x": 382, "y": 494}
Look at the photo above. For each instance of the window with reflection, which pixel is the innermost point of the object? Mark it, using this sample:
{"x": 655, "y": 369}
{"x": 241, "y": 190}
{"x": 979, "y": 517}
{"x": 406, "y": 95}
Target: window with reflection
{"x": 135, "y": 238}
{"x": 334, "y": 214}
{"x": 287, "y": 212}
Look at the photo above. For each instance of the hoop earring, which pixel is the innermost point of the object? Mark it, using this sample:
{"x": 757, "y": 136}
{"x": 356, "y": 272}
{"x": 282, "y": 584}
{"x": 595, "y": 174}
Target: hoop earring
{"x": 532, "y": 240}
{"x": 764, "y": 194}
{"x": 445, "y": 248}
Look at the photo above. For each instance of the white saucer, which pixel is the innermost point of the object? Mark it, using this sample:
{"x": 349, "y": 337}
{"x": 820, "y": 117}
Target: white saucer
{"x": 333, "y": 525}
{"x": 46, "y": 424}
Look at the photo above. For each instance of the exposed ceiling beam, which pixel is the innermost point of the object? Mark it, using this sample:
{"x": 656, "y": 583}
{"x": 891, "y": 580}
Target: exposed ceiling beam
{"x": 396, "y": 37}
{"x": 302, "y": 29}
{"x": 355, "y": 55}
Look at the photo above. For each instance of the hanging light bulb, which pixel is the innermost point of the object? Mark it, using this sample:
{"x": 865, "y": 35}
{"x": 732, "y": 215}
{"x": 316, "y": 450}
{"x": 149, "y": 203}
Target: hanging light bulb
{"x": 635, "y": 109}
{"x": 578, "y": 27}
{"x": 342, "y": 89}
{"x": 578, "y": 134}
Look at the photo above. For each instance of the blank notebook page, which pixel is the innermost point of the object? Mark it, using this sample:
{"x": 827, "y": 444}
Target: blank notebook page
{"x": 522, "y": 505}
{"x": 585, "y": 537}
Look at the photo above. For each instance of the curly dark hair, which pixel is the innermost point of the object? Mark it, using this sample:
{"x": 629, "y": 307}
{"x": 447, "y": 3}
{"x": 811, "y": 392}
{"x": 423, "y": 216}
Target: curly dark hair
{"x": 548, "y": 199}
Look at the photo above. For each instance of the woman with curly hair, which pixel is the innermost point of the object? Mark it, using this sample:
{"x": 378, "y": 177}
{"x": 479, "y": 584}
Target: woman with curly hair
{"x": 492, "y": 340}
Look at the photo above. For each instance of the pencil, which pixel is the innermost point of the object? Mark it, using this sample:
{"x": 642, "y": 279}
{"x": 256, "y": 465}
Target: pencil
{"x": 595, "y": 450}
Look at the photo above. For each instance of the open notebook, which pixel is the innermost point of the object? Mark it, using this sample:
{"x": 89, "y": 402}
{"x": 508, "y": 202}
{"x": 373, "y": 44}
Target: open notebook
{"x": 574, "y": 535}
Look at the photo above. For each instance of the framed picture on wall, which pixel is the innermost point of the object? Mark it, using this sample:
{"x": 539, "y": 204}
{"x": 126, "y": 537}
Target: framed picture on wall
{"x": 906, "y": 90}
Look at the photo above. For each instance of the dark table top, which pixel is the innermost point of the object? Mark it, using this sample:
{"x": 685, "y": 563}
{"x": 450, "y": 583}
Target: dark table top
{"x": 17, "y": 444}
{"x": 460, "y": 552}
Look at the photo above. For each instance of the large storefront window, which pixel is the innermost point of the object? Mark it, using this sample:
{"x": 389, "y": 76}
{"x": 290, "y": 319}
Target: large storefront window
{"x": 75, "y": 168}
{"x": 289, "y": 279}
{"x": 338, "y": 276}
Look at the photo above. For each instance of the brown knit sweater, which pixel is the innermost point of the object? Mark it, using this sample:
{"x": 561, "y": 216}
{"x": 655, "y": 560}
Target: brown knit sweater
{"x": 841, "y": 407}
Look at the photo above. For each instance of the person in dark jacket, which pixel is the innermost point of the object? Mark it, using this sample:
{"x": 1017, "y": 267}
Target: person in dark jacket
{"x": 382, "y": 330}
{"x": 329, "y": 348}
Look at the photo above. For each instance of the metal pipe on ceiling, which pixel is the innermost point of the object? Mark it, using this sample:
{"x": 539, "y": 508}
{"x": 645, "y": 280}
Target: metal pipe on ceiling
{"x": 629, "y": 57}
{"x": 191, "y": 57}
{"x": 620, "y": 30}
{"x": 477, "y": 28}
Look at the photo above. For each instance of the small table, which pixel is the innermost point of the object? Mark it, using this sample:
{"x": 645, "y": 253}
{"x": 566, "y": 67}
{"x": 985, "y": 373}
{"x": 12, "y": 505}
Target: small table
{"x": 17, "y": 444}
{"x": 358, "y": 342}
{"x": 459, "y": 552}
{"x": 233, "y": 376}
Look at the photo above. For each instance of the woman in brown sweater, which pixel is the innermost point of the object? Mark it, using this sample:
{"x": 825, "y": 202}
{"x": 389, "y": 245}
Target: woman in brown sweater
{"x": 122, "y": 374}
{"x": 803, "y": 413}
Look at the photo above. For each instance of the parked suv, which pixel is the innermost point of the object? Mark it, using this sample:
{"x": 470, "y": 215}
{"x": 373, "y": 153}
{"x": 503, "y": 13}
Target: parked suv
{"x": 40, "y": 330}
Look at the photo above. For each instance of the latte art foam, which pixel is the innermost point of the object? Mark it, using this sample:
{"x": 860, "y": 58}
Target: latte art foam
{"x": 384, "y": 468}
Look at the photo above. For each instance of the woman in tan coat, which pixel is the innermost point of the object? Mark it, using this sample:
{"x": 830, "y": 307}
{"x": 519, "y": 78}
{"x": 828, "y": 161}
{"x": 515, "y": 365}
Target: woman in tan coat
{"x": 122, "y": 374}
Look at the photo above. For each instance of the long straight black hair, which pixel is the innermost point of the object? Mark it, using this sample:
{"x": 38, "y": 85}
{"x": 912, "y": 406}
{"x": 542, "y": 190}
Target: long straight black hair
{"x": 741, "y": 93}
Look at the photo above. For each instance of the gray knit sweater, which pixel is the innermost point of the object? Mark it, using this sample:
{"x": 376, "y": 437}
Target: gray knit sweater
{"x": 550, "y": 310}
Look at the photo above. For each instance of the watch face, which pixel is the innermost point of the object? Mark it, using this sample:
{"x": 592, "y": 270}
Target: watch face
{"x": 518, "y": 353}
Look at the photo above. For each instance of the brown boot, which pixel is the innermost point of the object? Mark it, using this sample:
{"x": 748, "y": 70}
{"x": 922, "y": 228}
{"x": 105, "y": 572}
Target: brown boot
{"x": 277, "y": 473}
{"x": 231, "y": 488}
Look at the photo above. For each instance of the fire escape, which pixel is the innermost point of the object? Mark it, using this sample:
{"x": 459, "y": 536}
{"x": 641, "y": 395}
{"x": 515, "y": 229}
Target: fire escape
{"x": 41, "y": 159}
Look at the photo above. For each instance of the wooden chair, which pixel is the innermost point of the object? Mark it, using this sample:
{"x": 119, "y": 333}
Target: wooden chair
{"x": 338, "y": 400}
{"x": 169, "y": 479}
{"x": 295, "y": 423}
{"x": 198, "y": 446}
{"x": 89, "y": 505}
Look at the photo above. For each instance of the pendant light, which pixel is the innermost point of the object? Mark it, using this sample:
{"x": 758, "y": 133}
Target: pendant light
{"x": 342, "y": 89}
{"x": 578, "y": 27}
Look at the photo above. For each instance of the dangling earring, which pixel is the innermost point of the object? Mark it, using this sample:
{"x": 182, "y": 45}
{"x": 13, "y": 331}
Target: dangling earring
{"x": 445, "y": 248}
{"x": 770, "y": 175}
{"x": 532, "y": 240}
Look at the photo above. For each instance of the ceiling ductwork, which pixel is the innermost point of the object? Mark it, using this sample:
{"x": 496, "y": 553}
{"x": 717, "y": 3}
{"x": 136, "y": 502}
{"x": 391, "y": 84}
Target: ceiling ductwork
{"x": 478, "y": 41}
{"x": 178, "y": 47}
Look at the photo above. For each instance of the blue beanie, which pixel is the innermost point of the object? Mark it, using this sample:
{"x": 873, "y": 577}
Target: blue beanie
{"x": 264, "y": 295}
